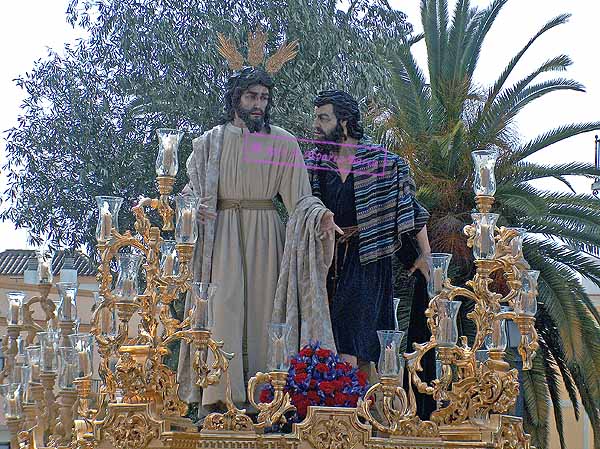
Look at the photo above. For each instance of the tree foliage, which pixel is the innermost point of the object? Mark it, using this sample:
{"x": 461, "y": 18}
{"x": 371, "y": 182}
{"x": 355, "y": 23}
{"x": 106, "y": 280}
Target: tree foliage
{"x": 88, "y": 120}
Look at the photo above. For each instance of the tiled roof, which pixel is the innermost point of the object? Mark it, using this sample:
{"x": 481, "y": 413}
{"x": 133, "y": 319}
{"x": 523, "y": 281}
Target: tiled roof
{"x": 14, "y": 261}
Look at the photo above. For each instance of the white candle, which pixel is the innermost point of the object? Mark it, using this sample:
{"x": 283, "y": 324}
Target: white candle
{"x": 515, "y": 246}
{"x": 390, "y": 362}
{"x": 485, "y": 240}
{"x": 438, "y": 279}
{"x": 105, "y": 223}
{"x": 67, "y": 305}
{"x": 278, "y": 352}
{"x": 48, "y": 358}
{"x": 169, "y": 265}
{"x": 14, "y": 312}
{"x": 186, "y": 224}
{"x": 445, "y": 331}
{"x": 201, "y": 314}
{"x": 127, "y": 289}
{"x": 84, "y": 363}
{"x": 530, "y": 299}
{"x": 35, "y": 372}
{"x": 69, "y": 374}
{"x": 12, "y": 407}
{"x": 44, "y": 272}
{"x": 484, "y": 175}
{"x": 169, "y": 148}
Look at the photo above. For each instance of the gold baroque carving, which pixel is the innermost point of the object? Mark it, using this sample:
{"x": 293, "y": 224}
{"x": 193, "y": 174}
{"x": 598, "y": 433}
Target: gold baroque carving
{"x": 332, "y": 434}
{"x": 512, "y": 435}
{"x": 475, "y": 397}
{"x": 233, "y": 420}
{"x": 130, "y": 427}
{"x": 332, "y": 428}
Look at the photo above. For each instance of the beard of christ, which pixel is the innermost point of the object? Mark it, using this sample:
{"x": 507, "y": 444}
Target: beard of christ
{"x": 254, "y": 124}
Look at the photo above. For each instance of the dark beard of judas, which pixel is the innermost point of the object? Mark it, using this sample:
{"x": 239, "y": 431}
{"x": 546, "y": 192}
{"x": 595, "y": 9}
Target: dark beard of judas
{"x": 253, "y": 125}
{"x": 334, "y": 136}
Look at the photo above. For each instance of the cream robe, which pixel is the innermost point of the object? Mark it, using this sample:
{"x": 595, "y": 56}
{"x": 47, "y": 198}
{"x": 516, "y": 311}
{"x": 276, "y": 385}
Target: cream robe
{"x": 223, "y": 161}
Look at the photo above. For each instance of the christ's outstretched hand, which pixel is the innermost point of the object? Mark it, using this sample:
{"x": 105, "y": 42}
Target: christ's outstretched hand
{"x": 328, "y": 226}
{"x": 203, "y": 214}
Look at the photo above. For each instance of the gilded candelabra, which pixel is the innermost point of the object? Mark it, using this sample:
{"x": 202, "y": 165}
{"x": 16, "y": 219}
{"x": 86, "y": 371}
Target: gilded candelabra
{"x": 135, "y": 385}
{"x": 273, "y": 412}
{"x": 468, "y": 391}
{"x": 140, "y": 388}
{"x": 28, "y": 389}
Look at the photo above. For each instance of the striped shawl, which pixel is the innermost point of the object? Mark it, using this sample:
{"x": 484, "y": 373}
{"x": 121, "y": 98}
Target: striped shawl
{"x": 385, "y": 199}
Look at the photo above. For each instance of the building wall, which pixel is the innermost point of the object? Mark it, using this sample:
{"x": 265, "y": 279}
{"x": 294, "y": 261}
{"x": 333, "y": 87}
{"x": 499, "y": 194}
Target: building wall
{"x": 578, "y": 433}
{"x": 85, "y": 298}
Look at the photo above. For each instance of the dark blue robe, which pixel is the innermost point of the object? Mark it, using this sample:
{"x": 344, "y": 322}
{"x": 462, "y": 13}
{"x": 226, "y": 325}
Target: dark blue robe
{"x": 361, "y": 301}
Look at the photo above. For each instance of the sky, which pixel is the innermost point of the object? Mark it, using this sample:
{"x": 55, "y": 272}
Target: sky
{"x": 29, "y": 27}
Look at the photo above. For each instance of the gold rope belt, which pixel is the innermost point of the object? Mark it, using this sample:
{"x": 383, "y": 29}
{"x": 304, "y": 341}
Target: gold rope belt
{"x": 225, "y": 204}
{"x": 349, "y": 233}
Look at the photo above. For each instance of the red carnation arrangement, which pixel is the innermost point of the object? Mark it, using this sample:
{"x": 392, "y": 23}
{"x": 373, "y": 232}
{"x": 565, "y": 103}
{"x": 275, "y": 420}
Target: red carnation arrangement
{"x": 317, "y": 376}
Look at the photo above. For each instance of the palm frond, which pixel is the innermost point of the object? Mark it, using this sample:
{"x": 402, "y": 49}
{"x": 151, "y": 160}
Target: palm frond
{"x": 443, "y": 18}
{"x": 429, "y": 17}
{"x": 553, "y": 382}
{"x": 410, "y": 83}
{"x": 557, "y": 299}
{"x": 484, "y": 20}
{"x": 536, "y": 403}
{"x": 513, "y": 99}
{"x": 521, "y": 197}
{"x": 415, "y": 39}
{"x": 552, "y": 137}
{"x": 527, "y": 171}
{"x": 497, "y": 87}
{"x": 568, "y": 217}
{"x": 578, "y": 240}
{"x": 589, "y": 401}
{"x": 564, "y": 263}
{"x": 549, "y": 332}
{"x": 582, "y": 200}
{"x": 456, "y": 37}
{"x": 538, "y": 90}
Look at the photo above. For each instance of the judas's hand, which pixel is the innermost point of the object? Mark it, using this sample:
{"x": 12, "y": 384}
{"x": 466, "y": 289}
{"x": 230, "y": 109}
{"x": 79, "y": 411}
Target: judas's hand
{"x": 328, "y": 227}
{"x": 422, "y": 265}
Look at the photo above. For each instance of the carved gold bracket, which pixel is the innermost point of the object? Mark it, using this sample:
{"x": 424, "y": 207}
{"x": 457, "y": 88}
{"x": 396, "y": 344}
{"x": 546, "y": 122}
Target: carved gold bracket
{"x": 273, "y": 412}
{"x": 233, "y": 419}
{"x": 399, "y": 410}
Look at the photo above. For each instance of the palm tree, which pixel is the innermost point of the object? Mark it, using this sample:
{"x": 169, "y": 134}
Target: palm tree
{"x": 436, "y": 119}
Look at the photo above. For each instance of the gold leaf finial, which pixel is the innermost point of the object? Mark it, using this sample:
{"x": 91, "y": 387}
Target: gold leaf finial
{"x": 256, "y": 46}
{"x": 286, "y": 53}
{"x": 228, "y": 50}
{"x": 256, "y": 52}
